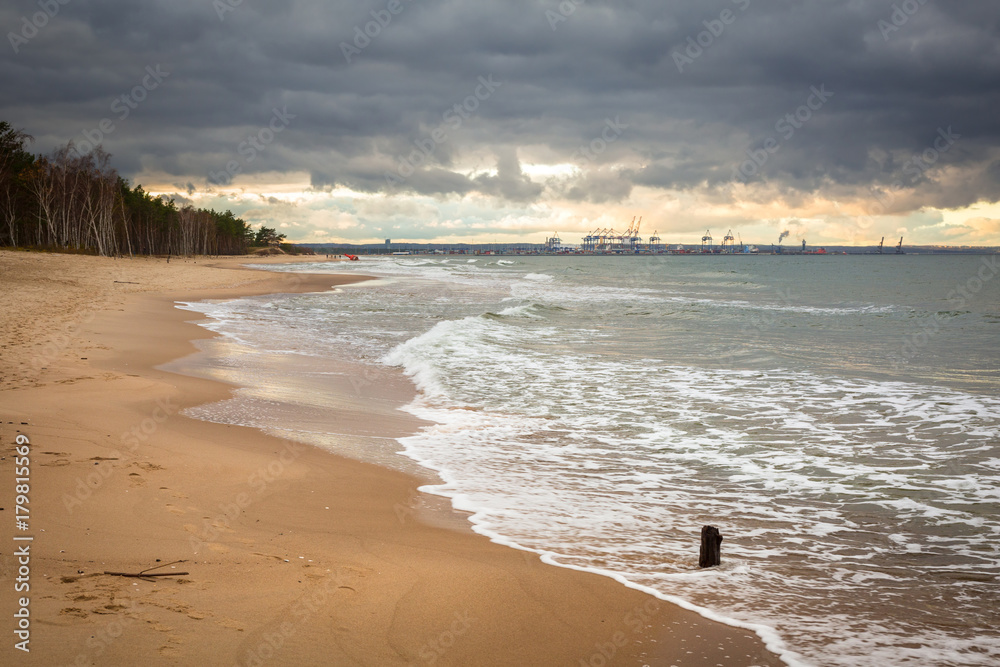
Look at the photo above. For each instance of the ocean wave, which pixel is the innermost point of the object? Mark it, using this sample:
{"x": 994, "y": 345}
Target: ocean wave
{"x": 551, "y": 435}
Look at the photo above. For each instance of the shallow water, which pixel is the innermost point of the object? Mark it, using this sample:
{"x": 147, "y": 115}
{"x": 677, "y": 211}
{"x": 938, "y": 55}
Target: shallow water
{"x": 837, "y": 417}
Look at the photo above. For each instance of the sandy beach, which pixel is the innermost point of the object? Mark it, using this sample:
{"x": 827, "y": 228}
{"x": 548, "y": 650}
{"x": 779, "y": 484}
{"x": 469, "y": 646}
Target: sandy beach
{"x": 292, "y": 555}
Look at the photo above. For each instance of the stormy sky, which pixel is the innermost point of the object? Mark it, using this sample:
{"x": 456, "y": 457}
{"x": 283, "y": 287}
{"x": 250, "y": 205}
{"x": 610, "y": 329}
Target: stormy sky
{"x": 840, "y": 121}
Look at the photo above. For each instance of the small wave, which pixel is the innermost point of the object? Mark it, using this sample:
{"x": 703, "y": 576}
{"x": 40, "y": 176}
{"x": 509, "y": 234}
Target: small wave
{"x": 789, "y": 308}
{"x": 533, "y": 311}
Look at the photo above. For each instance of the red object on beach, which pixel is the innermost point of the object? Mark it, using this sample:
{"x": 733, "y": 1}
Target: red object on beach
{"x": 353, "y": 258}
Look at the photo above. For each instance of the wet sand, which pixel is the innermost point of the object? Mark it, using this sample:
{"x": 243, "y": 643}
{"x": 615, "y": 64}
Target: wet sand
{"x": 293, "y": 555}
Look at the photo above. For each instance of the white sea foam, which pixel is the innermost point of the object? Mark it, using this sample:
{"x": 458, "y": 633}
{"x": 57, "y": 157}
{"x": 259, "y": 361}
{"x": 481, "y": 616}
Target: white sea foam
{"x": 779, "y": 448}
{"x": 855, "y": 508}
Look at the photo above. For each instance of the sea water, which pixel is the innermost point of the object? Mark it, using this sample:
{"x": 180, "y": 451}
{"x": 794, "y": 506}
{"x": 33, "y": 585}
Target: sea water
{"x": 838, "y": 418}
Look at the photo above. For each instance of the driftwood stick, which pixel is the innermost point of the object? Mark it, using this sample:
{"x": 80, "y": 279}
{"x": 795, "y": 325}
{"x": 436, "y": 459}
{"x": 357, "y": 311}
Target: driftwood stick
{"x": 143, "y": 576}
{"x": 155, "y": 574}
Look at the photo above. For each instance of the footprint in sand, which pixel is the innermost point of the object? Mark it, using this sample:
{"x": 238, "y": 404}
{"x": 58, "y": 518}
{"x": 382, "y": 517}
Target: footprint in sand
{"x": 57, "y": 462}
{"x": 159, "y": 627}
{"x": 108, "y": 609}
{"x": 74, "y": 611}
{"x": 136, "y": 479}
{"x": 173, "y": 641}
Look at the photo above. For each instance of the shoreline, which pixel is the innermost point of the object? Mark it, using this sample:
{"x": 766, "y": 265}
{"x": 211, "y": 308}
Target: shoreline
{"x": 271, "y": 569}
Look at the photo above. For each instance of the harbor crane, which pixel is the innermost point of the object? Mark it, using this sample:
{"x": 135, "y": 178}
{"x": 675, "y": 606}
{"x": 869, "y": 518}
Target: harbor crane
{"x": 729, "y": 242}
{"x": 706, "y": 240}
{"x": 630, "y": 239}
{"x": 609, "y": 240}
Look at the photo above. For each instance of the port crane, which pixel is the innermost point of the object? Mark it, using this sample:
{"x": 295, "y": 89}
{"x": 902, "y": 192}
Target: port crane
{"x": 630, "y": 239}
{"x": 706, "y": 240}
{"x": 729, "y": 242}
{"x": 605, "y": 240}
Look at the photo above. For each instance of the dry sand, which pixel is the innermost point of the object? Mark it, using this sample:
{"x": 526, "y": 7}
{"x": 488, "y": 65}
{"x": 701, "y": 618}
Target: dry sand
{"x": 293, "y": 556}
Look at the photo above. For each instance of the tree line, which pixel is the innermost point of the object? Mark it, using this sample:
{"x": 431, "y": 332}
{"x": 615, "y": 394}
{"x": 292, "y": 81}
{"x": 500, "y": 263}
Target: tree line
{"x": 68, "y": 201}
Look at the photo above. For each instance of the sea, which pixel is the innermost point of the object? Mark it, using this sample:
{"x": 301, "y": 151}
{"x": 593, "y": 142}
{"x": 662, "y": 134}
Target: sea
{"x": 836, "y": 417}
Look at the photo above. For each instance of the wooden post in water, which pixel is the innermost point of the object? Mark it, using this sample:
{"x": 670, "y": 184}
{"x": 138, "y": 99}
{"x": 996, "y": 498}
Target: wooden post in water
{"x": 711, "y": 547}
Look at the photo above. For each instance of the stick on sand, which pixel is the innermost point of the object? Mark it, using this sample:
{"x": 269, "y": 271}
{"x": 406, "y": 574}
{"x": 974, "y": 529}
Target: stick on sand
{"x": 143, "y": 573}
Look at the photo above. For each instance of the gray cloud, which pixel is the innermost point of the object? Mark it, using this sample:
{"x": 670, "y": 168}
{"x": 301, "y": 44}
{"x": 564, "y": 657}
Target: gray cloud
{"x": 688, "y": 130}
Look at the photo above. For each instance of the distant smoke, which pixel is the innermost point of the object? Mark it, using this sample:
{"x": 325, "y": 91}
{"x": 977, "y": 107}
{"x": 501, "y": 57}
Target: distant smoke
{"x": 783, "y": 235}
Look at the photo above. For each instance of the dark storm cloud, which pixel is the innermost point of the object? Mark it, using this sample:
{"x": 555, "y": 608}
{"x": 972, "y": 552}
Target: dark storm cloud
{"x": 693, "y": 110}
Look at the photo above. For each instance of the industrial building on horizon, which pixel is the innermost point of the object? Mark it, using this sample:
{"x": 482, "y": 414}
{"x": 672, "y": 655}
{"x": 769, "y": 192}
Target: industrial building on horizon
{"x": 607, "y": 241}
